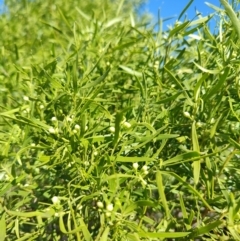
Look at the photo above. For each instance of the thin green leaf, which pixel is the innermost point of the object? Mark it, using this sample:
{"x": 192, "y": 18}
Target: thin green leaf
{"x": 178, "y": 29}
{"x": 196, "y": 164}
{"x": 202, "y": 20}
{"x": 214, "y": 127}
{"x": 63, "y": 229}
{"x": 3, "y": 232}
{"x": 210, "y": 71}
{"x": 161, "y": 192}
{"x": 177, "y": 82}
{"x": 163, "y": 234}
{"x": 99, "y": 80}
{"x": 86, "y": 233}
{"x": 190, "y": 188}
{"x": 186, "y": 157}
{"x": 206, "y": 229}
{"x": 168, "y": 99}
{"x": 185, "y": 9}
{"x": 216, "y": 88}
{"x": 232, "y": 15}
{"x": 130, "y": 71}
{"x": 118, "y": 121}
{"x": 104, "y": 236}
{"x": 132, "y": 159}
{"x": 213, "y": 7}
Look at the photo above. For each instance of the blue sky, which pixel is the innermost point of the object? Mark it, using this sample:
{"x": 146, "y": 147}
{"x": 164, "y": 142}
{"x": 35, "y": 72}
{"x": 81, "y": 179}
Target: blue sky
{"x": 172, "y": 8}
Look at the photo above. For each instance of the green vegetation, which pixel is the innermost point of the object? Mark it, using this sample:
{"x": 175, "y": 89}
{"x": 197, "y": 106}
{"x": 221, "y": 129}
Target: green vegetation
{"x": 110, "y": 130}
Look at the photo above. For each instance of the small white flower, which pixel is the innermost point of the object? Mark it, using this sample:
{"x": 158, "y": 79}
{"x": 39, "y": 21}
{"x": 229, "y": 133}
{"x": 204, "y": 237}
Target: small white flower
{"x": 112, "y": 129}
{"x": 52, "y": 130}
{"x": 145, "y": 168}
{"x": 212, "y": 121}
{"x": 54, "y": 119}
{"x": 199, "y": 124}
{"x": 55, "y": 200}
{"x": 27, "y": 110}
{"x": 70, "y": 164}
{"x": 108, "y": 214}
{"x": 33, "y": 144}
{"x": 109, "y": 207}
{"x": 77, "y": 127}
{"x": 75, "y": 131}
{"x": 69, "y": 119}
{"x": 100, "y": 204}
{"x": 135, "y": 165}
{"x": 126, "y": 124}
{"x": 95, "y": 153}
{"x": 86, "y": 163}
{"x": 25, "y": 98}
{"x": 41, "y": 107}
{"x": 186, "y": 114}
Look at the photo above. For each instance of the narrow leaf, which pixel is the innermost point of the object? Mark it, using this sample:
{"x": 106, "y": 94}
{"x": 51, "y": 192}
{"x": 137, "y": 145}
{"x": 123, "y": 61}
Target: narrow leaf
{"x": 105, "y": 234}
{"x": 196, "y": 164}
{"x": 3, "y": 227}
{"x": 161, "y": 192}
{"x": 163, "y": 234}
{"x": 185, "y": 9}
{"x": 130, "y": 71}
{"x": 232, "y": 15}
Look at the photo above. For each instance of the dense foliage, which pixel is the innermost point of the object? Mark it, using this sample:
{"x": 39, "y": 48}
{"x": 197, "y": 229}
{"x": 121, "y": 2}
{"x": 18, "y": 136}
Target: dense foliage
{"x": 111, "y": 130}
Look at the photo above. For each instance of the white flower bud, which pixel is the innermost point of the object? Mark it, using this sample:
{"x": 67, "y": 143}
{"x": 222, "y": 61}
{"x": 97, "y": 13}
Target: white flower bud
{"x": 112, "y": 129}
{"x": 135, "y": 165}
{"x": 186, "y": 114}
{"x": 199, "y": 124}
{"x": 25, "y": 98}
{"x": 126, "y": 124}
{"x": 54, "y": 119}
{"x": 52, "y": 130}
{"x": 69, "y": 119}
{"x": 109, "y": 207}
{"x": 212, "y": 121}
{"x": 55, "y": 200}
{"x": 77, "y": 127}
{"x": 100, "y": 204}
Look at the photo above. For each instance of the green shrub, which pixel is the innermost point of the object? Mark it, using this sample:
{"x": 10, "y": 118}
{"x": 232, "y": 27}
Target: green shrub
{"x": 111, "y": 130}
